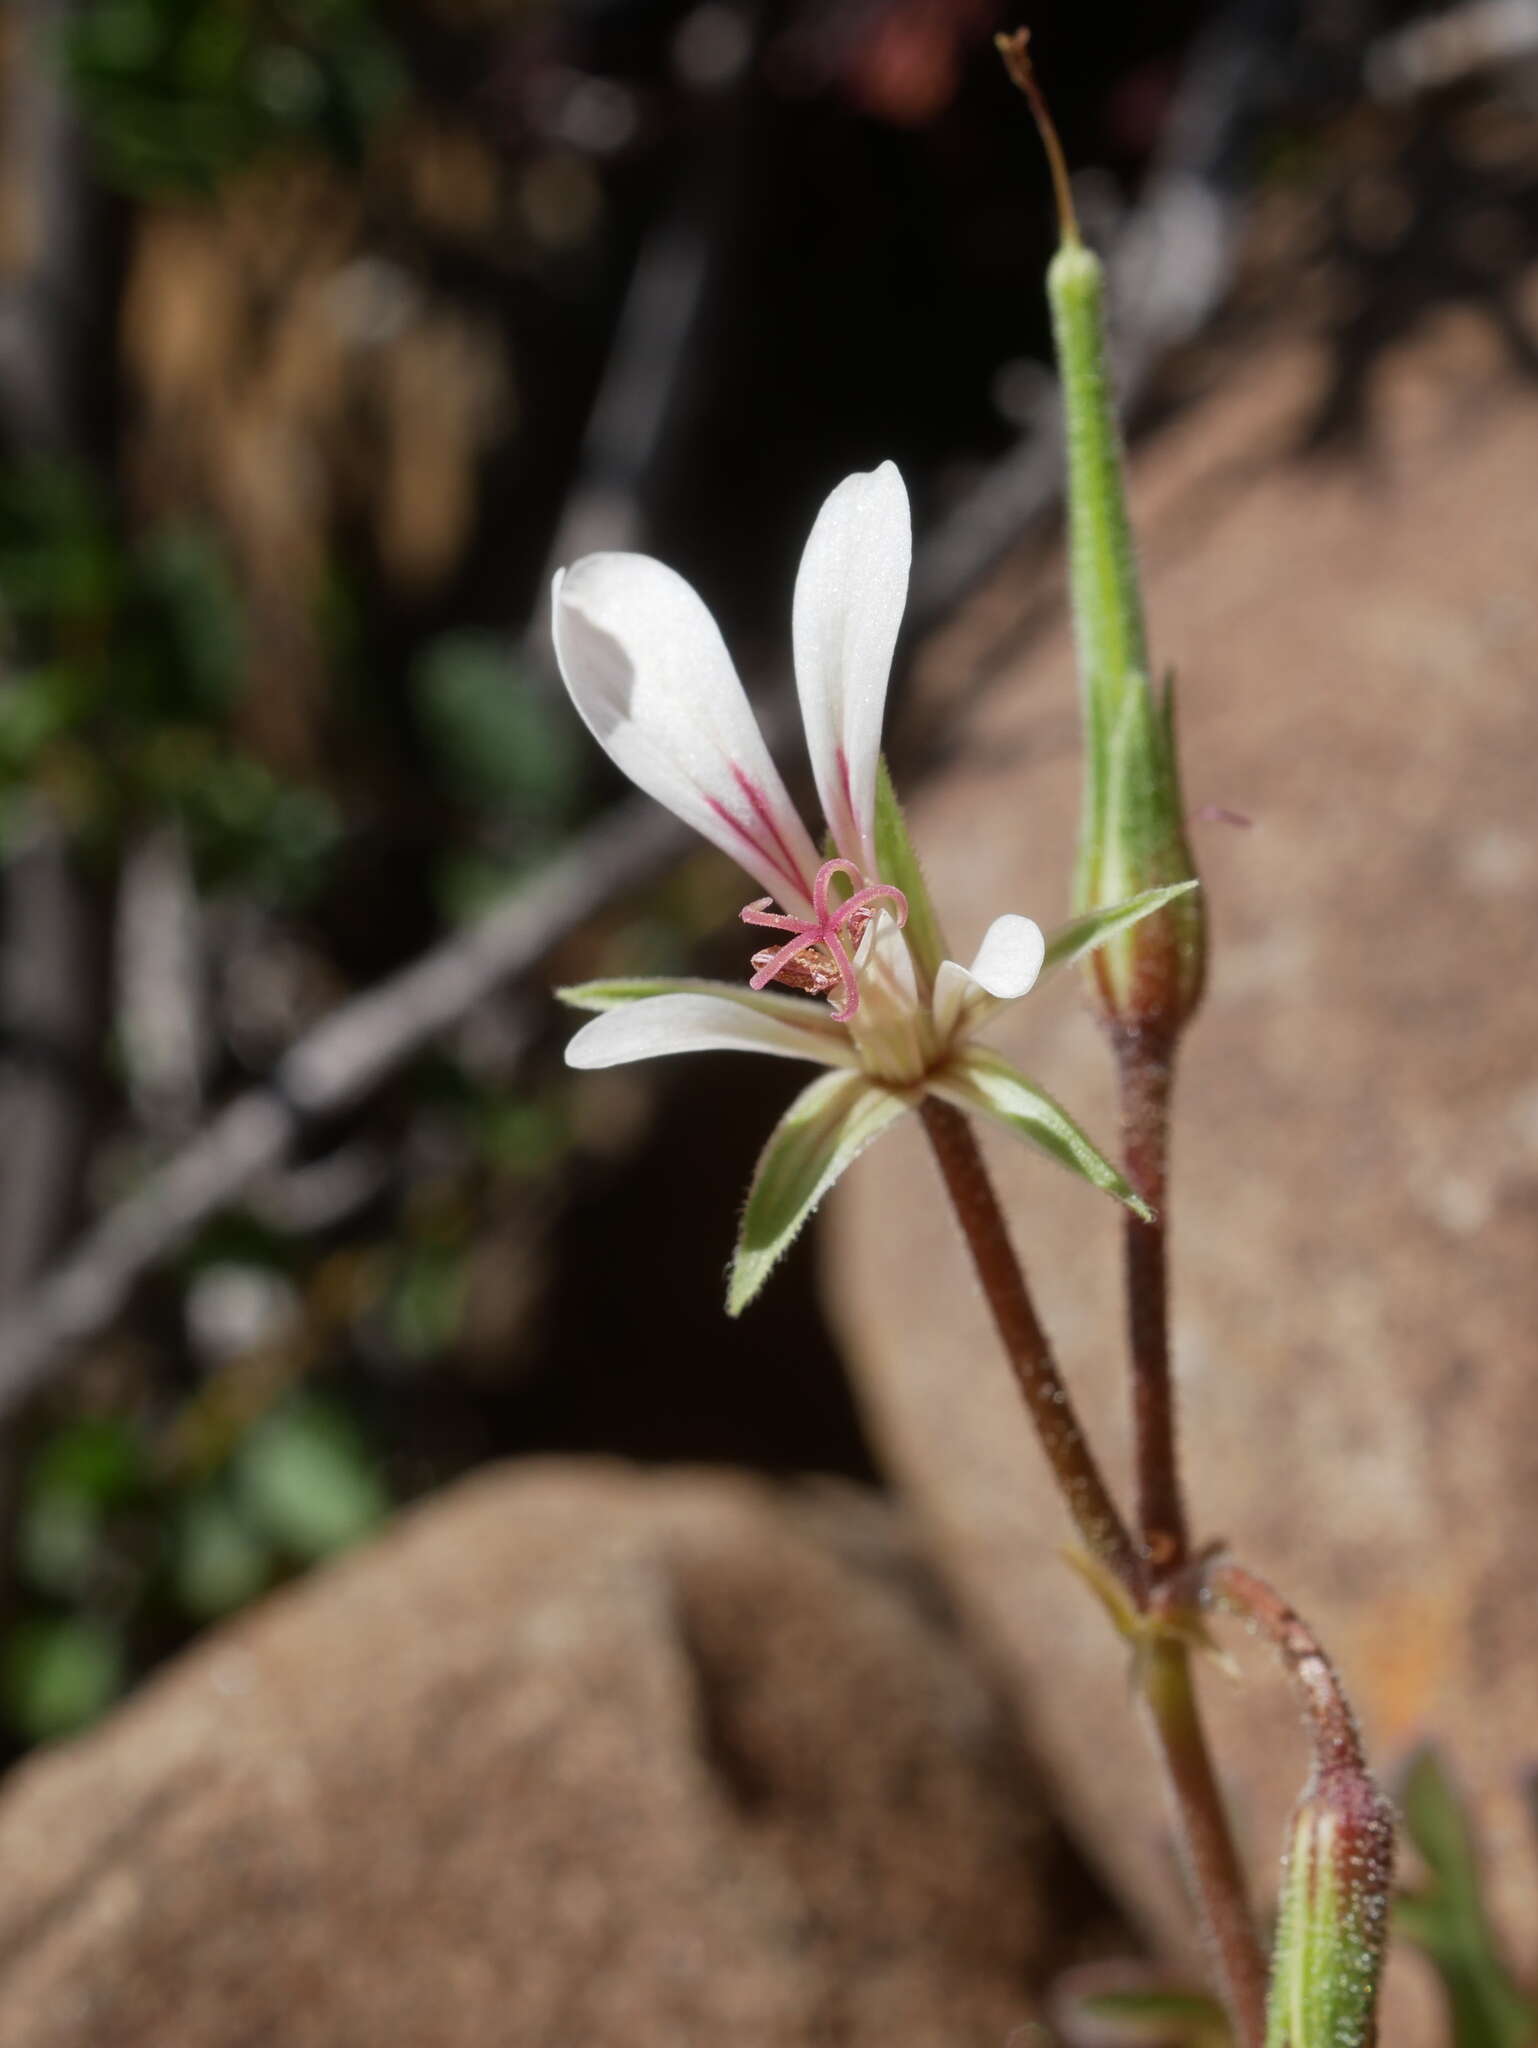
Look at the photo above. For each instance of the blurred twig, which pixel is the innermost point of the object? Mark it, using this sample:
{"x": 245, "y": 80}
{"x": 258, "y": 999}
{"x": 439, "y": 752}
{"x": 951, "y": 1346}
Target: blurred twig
{"x": 328, "y": 1070}
{"x": 1450, "y": 46}
{"x": 50, "y": 1016}
{"x": 46, "y": 308}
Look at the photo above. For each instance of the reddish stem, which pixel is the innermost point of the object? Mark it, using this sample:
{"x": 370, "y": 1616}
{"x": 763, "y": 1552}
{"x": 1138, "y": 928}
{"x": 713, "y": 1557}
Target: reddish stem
{"x": 1212, "y": 1862}
{"x": 1145, "y": 1065}
{"x": 1332, "y": 1725}
{"x": 998, "y": 1267}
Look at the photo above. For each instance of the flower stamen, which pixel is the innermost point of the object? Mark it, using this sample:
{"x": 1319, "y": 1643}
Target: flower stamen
{"x": 817, "y": 955}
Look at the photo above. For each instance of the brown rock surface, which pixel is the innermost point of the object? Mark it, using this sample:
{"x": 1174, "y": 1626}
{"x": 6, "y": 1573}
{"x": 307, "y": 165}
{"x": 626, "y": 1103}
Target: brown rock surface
{"x": 572, "y": 1756}
{"x": 1356, "y": 1211}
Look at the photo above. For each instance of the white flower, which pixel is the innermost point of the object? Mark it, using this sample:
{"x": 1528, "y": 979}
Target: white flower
{"x": 649, "y": 672}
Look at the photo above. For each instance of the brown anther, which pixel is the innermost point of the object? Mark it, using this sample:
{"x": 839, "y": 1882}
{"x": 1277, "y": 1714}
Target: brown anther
{"x": 813, "y": 972}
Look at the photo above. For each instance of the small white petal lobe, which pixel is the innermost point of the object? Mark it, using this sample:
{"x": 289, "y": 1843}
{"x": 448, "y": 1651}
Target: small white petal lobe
{"x": 1010, "y": 956}
{"x": 1005, "y": 968}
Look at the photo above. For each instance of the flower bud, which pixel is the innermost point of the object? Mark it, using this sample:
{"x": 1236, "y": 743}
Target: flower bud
{"x": 1132, "y": 830}
{"x": 1334, "y": 1914}
{"x": 1132, "y": 834}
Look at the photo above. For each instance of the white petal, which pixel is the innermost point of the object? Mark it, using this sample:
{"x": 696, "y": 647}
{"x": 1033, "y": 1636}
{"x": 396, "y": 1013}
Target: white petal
{"x": 953, "y": 984}
{"x": 649, "y": 672}
{"x": 698, "y": 1023}
{"x": 850, "y": 593}
{"x": 1009, "y": 959}
{"x": 1007, "y": 964}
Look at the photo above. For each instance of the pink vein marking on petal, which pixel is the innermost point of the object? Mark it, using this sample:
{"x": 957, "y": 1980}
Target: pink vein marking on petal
{"x": 770, "y": 823}
{"x": 765, "y": 853}
{"x": 841, "y": 759}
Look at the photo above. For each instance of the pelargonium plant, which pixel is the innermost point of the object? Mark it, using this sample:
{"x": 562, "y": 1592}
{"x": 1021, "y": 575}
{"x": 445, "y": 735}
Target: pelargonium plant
{"x": 857, "y": 979}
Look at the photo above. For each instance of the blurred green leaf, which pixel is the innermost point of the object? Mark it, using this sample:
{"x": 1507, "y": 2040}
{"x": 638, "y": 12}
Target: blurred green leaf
{"x": 1126, "y": 2004}
{"x": 305, "y": 1480}
{"x": 99, "y": 1459}
{"x": 35, "y": 711}
{"x": 58, "y": 1542}
{"x": 427, "y": 1302}
{"x": 57, "y": 550}
{"x": 469, "y": 885}
{"x": 243, "y": 823}
{"x": 125, "y": 668}
{"x": 525, "y": 1137}
{"x": 180, "y": 94}
{"x": 1157, "y": 2019}
{"x": 59, "y": 1672}
{"x": 74, "y": 1481}
{"x": 190, "y": 603}
{"x": 218, "y": 1561}
{"x": 500, "y": 744}
{"x": 1446, "y": 1917}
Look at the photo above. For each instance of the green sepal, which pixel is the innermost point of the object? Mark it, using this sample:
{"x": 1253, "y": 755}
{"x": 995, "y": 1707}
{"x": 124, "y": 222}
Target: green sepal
{"x": 825, "y": 1129}
{"x": 899, "y": 865}
{"x": 1081, "y": 935}
{"x": 978, "y": 1079}
{"x": 1446, "y": 1918}
{"x": 1143, "y": 832}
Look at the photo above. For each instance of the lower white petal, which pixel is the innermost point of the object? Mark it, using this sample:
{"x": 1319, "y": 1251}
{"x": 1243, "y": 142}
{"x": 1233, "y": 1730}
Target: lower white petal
{"x": 699, "y": 1023}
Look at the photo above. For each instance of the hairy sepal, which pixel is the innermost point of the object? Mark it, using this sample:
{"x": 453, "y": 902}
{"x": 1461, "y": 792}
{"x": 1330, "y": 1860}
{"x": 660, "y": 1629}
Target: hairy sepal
{"x": 898, "y": 864}
{"x": 980, "y": 1081}
{"x": 825, "y": 1129}
{"x": 1082, "y": 935}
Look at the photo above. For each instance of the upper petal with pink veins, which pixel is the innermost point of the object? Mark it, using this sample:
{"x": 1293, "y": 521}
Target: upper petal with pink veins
{"x": 850, "y": 593}
{"x": 649, "y": 672}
